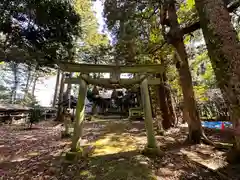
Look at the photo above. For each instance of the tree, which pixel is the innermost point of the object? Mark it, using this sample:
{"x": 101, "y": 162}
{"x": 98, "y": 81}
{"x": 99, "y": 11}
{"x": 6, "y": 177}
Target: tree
{"x": 165, "y": 103}
{"x": 92, "y": 44}
{"x": 223, "y": 49}
{"x": 131, "y": 33}
{"x": 56, "y": 88}
{"x": 46, "y": 27}
{"x": 139, "y": 27}
{"x": 38, "y": 34}
{"x": 175, "y": 37}
{"x": 4, "y": 94}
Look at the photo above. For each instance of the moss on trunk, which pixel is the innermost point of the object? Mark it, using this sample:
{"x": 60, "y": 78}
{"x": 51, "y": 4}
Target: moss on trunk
{"x": 224, "y": 52}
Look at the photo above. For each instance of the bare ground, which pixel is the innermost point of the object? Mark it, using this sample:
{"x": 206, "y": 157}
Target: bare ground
{"x": 37, "y": 154}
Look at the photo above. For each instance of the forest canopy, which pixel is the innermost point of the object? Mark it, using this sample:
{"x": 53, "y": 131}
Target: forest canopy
{"x": 34, "y": 36}
{"x": 45, "y": 30}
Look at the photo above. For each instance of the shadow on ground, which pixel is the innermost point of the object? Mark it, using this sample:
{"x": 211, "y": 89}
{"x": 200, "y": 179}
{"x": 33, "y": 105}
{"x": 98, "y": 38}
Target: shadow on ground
{"x": 117, "y": 150}
{"x": 35, "y": 154}
{"x": 120, "y": 166}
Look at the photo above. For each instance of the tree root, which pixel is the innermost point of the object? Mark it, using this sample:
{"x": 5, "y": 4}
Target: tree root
{"x": 207, "y": 141}
{"x": 198, "y": 137}
{"x": 223, "y": 146}
{"x": 152, "y": 152}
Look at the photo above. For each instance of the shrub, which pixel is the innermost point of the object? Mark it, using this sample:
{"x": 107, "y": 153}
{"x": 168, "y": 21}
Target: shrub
{"x": 35, "y": 115}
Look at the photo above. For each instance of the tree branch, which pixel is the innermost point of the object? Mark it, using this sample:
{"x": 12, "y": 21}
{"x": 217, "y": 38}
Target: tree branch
{"x": 156, "y": 48}
{"x": 232, "y": 7}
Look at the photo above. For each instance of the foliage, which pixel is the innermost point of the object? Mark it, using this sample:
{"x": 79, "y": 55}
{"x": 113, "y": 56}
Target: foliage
{"x": 136, "y": 28}
{"x": 35, "y": 115}
{"x": 29, "y": 100}
{"x": 4, "y": 94}
{"x": 34, "y": 36}
{"x": 203, "y": 74}
{"x": 90, "y": 35}
{"x": 41, "y": 31}
{"x": 187, "y": 14}
{"x": 138, "y": 38}
{"x": 16, "y": 82}
{"x": 100, "y": 54}
{"x": 92, "y": 46}
{"x": 130, "y": 30}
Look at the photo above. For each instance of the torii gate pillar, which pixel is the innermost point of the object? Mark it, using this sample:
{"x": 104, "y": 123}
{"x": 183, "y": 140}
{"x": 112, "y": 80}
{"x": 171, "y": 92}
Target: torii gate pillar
{"x": 79, "y": 117}
{"x": 151, "y": 141}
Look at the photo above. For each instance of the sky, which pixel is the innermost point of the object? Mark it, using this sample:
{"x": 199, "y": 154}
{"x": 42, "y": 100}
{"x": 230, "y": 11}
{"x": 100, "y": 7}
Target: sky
{"x": 45, "y": 91}
{"x": 45, "y": 88}
{"x": 98, "y": 8}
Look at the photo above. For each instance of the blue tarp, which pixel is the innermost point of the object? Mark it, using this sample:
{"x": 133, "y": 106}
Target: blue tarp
{"x": 216, "y": 124}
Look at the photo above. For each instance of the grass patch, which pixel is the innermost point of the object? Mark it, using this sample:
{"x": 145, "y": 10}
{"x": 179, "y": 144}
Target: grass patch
{"x": 114, "y": 143}
{"x": 116, "y": 139}
{"x": 116, "y": 156}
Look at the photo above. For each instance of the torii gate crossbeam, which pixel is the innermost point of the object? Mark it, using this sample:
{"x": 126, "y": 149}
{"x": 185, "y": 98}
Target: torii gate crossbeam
{"x": 97, "y": 68}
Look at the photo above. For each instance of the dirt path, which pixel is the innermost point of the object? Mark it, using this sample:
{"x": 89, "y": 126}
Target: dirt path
{"x": 35, "y": 154}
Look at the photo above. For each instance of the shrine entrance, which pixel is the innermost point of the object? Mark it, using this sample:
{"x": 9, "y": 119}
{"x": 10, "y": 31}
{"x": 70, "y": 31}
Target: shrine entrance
{"x": 142, "y": 78}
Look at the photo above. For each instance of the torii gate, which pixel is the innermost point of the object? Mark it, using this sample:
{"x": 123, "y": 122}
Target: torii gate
{"x": 113, "y": 82}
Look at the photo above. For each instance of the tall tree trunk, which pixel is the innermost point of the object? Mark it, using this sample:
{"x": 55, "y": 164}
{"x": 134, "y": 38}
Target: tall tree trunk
{"x": 28, "y": 81}
{"x": 175, "y": 38}
{"x": 165, "y": 102}
{"x": 169, "y": 98}
{"x": 35, "y": 78}
{"x": 14, "y": 67}
{"x": 68, "y": 92}
{"x": 170, "y": 106}
{"x": 166, "y": 121}
{"x": 224, "y": 51}
{"x": 60, "y": 99}
{"x": 189, "y": 104}
{"x": 56, "y": 89}
{"x": 34, "y": 86}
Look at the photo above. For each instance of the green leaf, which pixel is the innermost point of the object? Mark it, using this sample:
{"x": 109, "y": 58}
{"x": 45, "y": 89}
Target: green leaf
{"x": 190, "y": 4}
{"x": 187, "y": 39}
